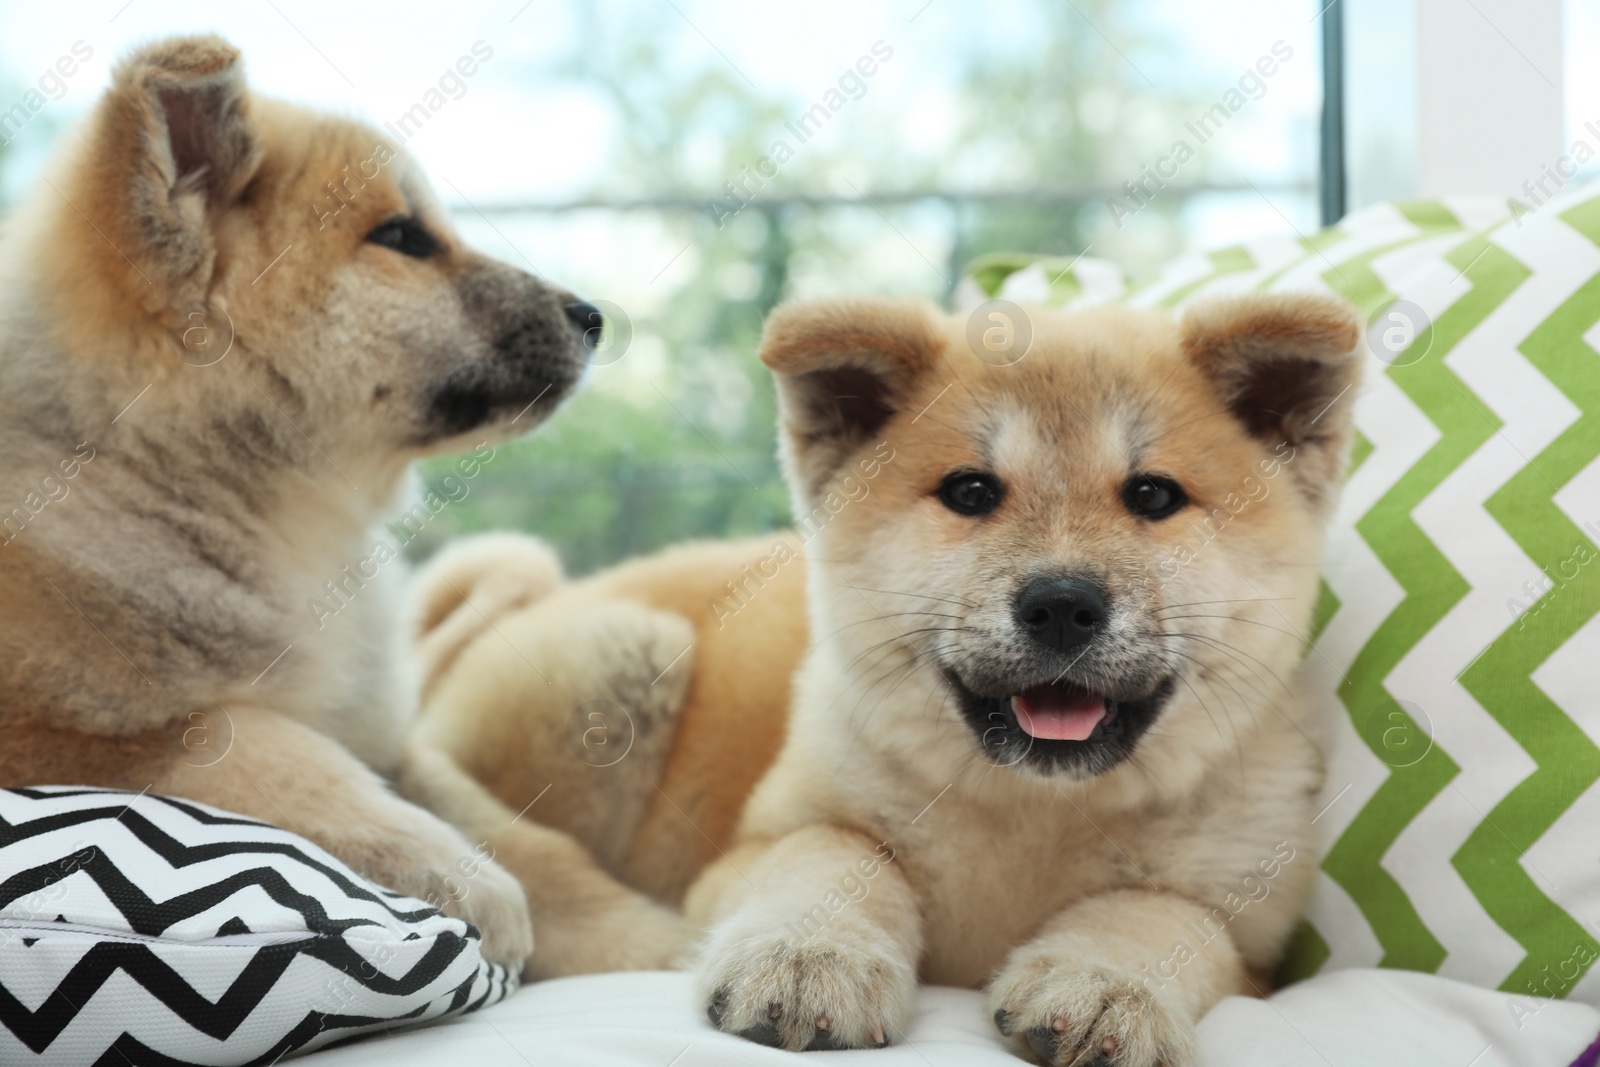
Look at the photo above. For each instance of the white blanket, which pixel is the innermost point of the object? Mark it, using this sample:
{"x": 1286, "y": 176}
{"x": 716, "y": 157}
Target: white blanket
{"x": 1343, "y": 1019}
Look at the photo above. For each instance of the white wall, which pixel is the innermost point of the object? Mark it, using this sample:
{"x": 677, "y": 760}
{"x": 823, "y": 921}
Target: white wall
{"x": 1490, "y": 95}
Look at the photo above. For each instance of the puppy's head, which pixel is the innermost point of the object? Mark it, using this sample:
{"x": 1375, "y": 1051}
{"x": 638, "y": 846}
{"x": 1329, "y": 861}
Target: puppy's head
{"x": 1104, "y": 550}
{"x": 281, "y": 277}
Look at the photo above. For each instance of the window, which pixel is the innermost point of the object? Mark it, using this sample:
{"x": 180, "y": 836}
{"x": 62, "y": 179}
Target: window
{"x": 692, "y": 163}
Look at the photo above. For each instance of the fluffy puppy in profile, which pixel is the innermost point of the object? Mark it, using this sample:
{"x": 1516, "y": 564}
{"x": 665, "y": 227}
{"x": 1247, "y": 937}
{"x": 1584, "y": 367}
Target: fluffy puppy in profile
{"x": 1046, "y": 739}
{"x": 228, "y": 326}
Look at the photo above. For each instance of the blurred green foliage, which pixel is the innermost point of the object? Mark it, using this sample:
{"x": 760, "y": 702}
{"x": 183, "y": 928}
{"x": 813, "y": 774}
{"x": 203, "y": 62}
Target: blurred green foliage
{"x": 676, "y": 438}
{"x": 620, "y": 472}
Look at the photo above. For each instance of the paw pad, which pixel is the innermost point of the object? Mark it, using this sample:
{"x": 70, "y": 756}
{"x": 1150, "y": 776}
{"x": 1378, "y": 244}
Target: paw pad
{"x": 719, "y": 1001}
{"x": 763, "y": 1034}
{"x": 1043, "y": 1040}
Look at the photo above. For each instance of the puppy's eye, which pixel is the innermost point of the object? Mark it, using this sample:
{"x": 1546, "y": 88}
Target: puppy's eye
{"x": 971, "y": 493}
{"x": 406, "y": 236}
{"x": 1151, "y": 496}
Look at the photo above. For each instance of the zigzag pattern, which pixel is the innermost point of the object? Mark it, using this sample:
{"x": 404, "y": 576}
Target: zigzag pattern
{"x": 1501, "y": 678}
{"x": 1431, "y": 587}
{"x": 108, "y": 982}
{"x": 214, "y": 1018}
{"x": 151, "y": 918}
{"x": 145, "y": 912}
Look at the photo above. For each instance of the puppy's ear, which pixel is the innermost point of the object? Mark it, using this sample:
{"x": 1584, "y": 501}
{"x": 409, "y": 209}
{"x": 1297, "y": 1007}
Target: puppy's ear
{"x": 1287, "y": 366}
{"x": 170, "y": 147}
{"x": 844, "y": 368}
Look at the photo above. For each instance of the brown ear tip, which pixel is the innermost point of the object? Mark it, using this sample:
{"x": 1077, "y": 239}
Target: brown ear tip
{"x": 791, "y": 313}
{"x": 1330, "y": 325}
{"x": 785, "y": 328}
{"x": 1340, "y": 322}
{"x": 1330, "y": 304}
{"x": 178, "y": 59}
{"x": 799, "y": 327}
{"x": 1318, "y": 325}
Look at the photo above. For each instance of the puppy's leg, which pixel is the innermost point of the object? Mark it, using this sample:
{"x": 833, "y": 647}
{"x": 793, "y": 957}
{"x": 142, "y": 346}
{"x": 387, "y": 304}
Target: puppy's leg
{"x": 814, "y": 952}
{"x": 267, "y": 766}
{"x": 1105, "y": 979}
{"x": 462, "y": 591}
{"x": 576, "y": 704}
{"x": 585, "y": 920}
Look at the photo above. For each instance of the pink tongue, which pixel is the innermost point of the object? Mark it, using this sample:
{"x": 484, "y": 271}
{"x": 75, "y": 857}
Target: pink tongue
{"x": 1058, "y": 712}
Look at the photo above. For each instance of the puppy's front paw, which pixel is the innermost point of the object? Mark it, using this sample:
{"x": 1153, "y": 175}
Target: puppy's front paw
{"x": 444, "y": 870}
{"x": 1061, "y": 1014}
{"x": 495, "y": 904}
{"x": 807, "y": 994}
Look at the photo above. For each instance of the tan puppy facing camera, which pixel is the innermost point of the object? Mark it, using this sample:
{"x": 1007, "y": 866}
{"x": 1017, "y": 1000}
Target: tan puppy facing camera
{"x": 227, "y": 328}
{"x": 1048, "y": 723}
{"x": 1046, "y": 738}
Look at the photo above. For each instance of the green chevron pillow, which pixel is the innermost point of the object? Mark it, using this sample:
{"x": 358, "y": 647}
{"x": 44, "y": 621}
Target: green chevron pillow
{"x": 1456, "y": 639}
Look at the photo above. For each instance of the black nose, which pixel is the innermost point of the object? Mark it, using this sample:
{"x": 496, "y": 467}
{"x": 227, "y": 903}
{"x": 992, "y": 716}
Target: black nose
{"x": 1063, "y": 613}
{"x": 586, "y": 317}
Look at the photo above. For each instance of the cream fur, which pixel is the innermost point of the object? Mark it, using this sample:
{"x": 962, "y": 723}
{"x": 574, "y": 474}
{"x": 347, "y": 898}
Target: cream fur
{"x": 1070, "y": 898}
{"x": 850, "y": 836}
{"x": 212, "y": 386}
{"x": 615, "y": 709}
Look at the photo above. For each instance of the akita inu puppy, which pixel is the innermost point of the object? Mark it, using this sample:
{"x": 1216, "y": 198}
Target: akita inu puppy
{"x": 227, "y": 328}
{"x": 1048, "y": 722}
{"x": 1046, "y": 738}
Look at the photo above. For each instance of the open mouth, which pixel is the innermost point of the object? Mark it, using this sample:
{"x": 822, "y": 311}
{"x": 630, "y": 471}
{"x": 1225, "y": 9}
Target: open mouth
{"x": 1060, "y": 711}
{"x": 1061, "y": 726}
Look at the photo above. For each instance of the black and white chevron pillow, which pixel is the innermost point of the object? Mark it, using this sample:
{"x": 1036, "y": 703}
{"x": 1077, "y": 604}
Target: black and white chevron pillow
{"x": 150, "y": 930}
